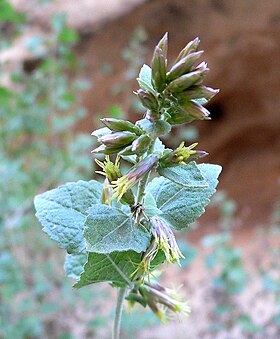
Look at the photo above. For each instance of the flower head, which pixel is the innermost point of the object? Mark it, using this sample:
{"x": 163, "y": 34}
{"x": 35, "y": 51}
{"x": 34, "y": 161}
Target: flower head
{"x": 126, "y": 182}
{"x": 181, "y": 155}
{"x": 165, "y": 240}
{"x": 163, "y": 301}
{"x": 110, "y": 170}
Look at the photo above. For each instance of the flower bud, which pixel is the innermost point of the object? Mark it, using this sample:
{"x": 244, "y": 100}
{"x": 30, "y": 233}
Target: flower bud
{"x": 103, "y": 149}
{"x": 127, "y": 181}
{"x": 141, "y": 144}
{"x": 117, "y": 139}
{"x": 183, "y": 66}
{"x": 165, "y": 240}
{"x": 158, "y": 70}
{"x": 178, "y": 116}
{"x": 197, "y": 155}
{"x": 195, "y": 110}
{"x": 190, "y": 47}
{"x": 187, "y": 80}
{"x": 127, "y": 150}
{"x": 118, "y": 125}
{"x": 163, "y": 45}
{"x": 107, "y": 192}
{"x": 197, "y": 92}
{"x": 147, "y": 99}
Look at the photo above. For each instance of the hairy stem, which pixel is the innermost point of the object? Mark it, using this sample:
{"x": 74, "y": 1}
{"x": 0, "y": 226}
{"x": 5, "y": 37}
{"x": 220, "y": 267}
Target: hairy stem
{"x": 118, "y": 312}
{"x": 141, "y": 187}
{"x": 143, "y": 182}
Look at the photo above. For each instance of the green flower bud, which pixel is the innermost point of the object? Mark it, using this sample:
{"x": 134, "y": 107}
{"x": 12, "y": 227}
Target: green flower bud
{"x": 147, "y": 99}
{"x": 185, "y": 81}
{"x": 117, "y": 139}
{"x": 127, "y": 151}
{"x": 103, "y": 149}
{"x": 158, "y": 70}
{"x": 126, "y": 182}
{"x": 195, "y": 110}
{"x": 197, "y": 92}
{"x": 141, "y": 144}
{"x": 183, "y": 66}
{"x": 118, "y": 125}
{"x": 189, "y": 48}
{"x": 163, "y": 44}
{"x": 178, "y": 116}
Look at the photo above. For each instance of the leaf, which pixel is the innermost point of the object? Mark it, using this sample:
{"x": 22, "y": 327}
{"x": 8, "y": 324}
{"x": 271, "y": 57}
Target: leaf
{"x": 109, "y": 229}
{"x": 116, "y": 267}
{"x": 186, "y": 175}
{"x": 74, "y": 264}
{"x": 181, "y": 205}
{"x": 62, "y": 212}
{"x": 158, "y": 146}
{"x": 145, "y": 79}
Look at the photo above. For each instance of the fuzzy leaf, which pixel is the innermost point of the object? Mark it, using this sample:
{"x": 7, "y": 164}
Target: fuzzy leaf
{"x": 145, "y": 79}
{"x": 159, "y": 146}
{"x": 186, "y": 175}
{"x": 109, "y": 229}
{"x": 74, "y": 264}
{"x": 62, "y": 212}
{"x": 116, "y": 268}
{"x": 181, "y": 205}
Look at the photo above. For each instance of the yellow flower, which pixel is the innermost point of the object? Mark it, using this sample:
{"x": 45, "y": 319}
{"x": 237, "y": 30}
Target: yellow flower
{"x": 126, "y": 182}
{"x": 111, "y": 170}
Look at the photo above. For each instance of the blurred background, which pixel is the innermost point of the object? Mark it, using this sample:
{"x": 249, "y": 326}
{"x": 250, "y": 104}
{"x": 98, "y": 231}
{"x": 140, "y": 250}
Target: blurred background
{"x": 65, "y": 64}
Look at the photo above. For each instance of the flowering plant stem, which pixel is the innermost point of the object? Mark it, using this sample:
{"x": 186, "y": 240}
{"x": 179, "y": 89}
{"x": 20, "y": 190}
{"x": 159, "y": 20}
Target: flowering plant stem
{"x": 118, "y": 312}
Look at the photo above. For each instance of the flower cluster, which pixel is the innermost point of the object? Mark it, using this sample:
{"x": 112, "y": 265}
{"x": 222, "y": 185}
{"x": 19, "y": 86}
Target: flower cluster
{"x": 165, "y": 240}
{"x": 178, "y": 93}
{"x": 164, "y": 302}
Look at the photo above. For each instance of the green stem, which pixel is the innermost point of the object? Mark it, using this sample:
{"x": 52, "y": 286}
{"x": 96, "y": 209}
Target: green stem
{"x": 143, "y": 182}
{"x": 141, "y": 187}
{"x": 118, "y": 312}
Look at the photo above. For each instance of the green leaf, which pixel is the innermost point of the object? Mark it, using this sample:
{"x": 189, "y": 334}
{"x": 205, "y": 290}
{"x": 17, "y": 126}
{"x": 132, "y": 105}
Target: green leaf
{"x": 74, "y": 264}
{"x": 109, "y": 229}
{"x": 186, "y": 175}
{"x": 62, "y": 212}
{"x": 145, "y": 79}
{"x": 158, "y": 146}
{"x": 181, "y": 205}
{"x": 116, "y": 268}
